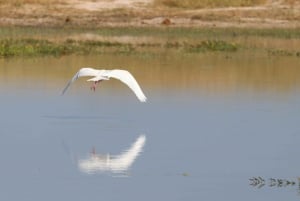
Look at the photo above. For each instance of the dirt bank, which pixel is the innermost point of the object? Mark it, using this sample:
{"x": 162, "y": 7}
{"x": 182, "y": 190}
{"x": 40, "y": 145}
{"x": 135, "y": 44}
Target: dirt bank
{"x": 99, "y": 13}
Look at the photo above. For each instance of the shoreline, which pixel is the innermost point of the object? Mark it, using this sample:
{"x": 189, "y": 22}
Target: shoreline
{"x": 86, "y": 26}
{"x": 140, "y": 13}
{"x": 37, "y": 41}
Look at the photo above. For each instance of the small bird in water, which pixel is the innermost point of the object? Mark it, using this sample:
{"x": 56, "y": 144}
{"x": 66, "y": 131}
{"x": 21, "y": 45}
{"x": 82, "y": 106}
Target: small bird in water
{"x": 100, "y": 75}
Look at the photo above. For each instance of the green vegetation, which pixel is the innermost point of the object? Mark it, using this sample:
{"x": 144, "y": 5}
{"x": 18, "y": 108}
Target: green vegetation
{"x": 28, "y": 41}
{"x": 157, "y": 32}
{"x": 32, "y": 47}
{"x": 213, "y": 45}
{"x": 193, "y": 4}
{"x": 279, "y": 52}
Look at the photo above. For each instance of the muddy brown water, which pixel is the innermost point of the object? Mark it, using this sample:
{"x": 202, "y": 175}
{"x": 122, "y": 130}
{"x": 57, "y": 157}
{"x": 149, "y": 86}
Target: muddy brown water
{"x": 211, "y": 123}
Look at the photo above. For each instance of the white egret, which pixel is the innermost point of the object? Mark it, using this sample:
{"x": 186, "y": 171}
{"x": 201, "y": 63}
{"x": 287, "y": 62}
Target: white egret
{"x": 100, "y": 75}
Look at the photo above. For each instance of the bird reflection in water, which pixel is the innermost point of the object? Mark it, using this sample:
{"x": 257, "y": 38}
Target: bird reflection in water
{"x": 116, "y": 164}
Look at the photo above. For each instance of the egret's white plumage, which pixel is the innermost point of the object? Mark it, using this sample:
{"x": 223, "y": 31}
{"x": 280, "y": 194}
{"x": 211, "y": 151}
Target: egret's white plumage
{"x": 99, "y": 75}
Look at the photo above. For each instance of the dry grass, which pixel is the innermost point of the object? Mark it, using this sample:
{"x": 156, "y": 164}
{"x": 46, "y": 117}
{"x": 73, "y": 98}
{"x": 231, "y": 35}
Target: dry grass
{"x": 193, "y": 4}
{"x": 270, "y": 13}
{"x": 291, "y": 2}
{"x": 18, "y": 3}
{"x": 190, "y": 4}
{"x": 30, "y": 1}
{"x": 196, "y": 4}
{"x": 30, "y": 41}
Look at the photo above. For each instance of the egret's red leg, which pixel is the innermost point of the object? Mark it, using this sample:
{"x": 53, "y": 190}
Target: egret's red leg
{"x": 93, "y": 87}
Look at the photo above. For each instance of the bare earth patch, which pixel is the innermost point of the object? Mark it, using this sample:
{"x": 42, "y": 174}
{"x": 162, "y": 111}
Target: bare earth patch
{"x": 107, "y": 4}
{"x": 99, "y": 13}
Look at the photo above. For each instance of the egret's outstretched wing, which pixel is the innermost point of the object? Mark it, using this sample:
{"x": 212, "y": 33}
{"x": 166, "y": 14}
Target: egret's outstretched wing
{"x": 82, "y": 72}
{"x": 129, "y": 80}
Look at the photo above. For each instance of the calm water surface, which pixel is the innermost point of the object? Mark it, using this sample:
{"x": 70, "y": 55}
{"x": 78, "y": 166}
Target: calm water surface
{"x": 211, "y": 123}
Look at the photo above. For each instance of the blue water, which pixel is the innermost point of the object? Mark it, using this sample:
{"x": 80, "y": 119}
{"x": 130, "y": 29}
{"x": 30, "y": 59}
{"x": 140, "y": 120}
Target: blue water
{"x": 199, "y": 146}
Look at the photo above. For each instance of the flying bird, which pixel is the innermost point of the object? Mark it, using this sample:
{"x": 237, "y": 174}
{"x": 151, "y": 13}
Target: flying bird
{"x": 100, "y": 75}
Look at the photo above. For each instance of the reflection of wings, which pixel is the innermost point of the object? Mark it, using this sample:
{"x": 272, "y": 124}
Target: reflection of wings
{"x": 116, "y": 164}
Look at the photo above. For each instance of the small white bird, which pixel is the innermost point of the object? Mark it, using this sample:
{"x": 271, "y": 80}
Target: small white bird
{"x": 100, "y": 75}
